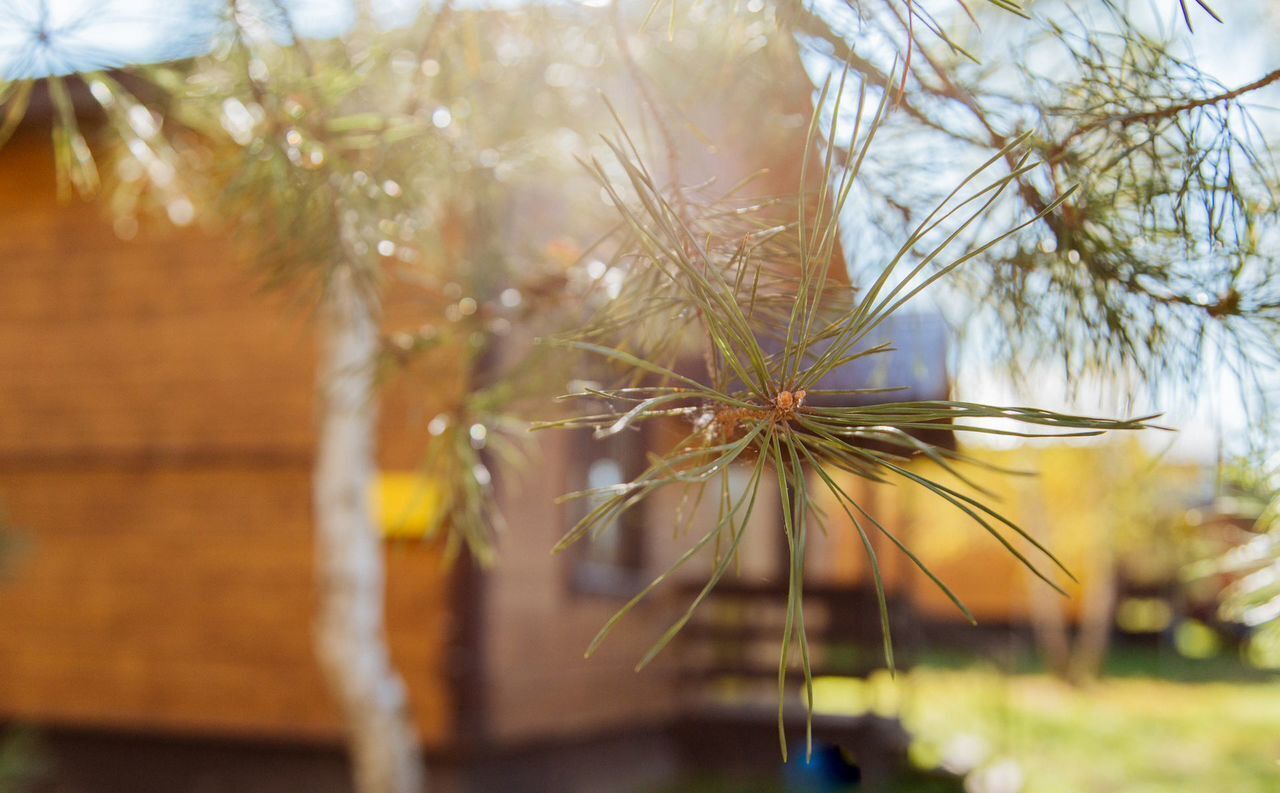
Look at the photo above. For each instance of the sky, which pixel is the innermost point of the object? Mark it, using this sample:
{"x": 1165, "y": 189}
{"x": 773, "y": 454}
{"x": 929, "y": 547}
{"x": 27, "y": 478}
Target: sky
{"x": 43, "y": 38}
{"x": 46, "y": 38}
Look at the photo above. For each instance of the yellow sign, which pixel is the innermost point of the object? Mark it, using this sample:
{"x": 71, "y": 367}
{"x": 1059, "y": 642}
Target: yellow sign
{"x": 407, "y": 504}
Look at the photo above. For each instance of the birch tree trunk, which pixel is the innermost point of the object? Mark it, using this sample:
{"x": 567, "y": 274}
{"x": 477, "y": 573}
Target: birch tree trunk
{"x": 1097, "y": 615}
{"x": 1098, "y": 611}
{"x": 1048, "y": 622}
{"x": 1074, "y": 657}
{"x": 350, "y": 632}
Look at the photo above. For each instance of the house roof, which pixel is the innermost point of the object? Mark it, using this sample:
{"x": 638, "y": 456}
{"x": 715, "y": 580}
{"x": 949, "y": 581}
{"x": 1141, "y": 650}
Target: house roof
{"x": 916, "y": 364}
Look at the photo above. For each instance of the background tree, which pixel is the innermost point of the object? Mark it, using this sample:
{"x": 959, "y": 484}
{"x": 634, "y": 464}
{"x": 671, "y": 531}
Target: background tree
{"x": 1249, "y": 572}
{"x": 1160, "y": 257}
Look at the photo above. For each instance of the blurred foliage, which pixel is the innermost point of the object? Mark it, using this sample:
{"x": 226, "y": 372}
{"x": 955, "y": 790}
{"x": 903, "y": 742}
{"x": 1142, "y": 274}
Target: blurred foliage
{"x": 1249, "y": 572}
{"x": 22, "y": 765}
{"x": 9, "y": 546}
{"x": 1163, "y": 257}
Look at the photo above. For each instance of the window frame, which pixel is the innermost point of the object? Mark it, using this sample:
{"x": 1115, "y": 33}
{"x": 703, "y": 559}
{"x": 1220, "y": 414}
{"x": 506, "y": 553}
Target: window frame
{"x": 623, "y": 577}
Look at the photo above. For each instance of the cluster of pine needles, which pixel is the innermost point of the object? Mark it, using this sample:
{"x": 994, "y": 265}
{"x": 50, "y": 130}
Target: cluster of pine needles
{"x": 770, "y": 342}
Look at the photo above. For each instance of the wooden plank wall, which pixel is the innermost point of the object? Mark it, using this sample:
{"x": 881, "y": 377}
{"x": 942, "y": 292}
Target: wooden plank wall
{"x": 536, "y": 627}
{"x": 156, "y": 431}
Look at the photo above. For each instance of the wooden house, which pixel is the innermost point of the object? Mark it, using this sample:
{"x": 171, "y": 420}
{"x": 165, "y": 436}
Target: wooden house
{"x": 155, "y": 455}
{"x": 156, "y": 444}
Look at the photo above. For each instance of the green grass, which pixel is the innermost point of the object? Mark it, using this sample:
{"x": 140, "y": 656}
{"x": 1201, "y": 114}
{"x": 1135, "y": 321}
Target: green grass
{"x": 1124, "y": 660}
{"x": 1215, "y": 726}
{"x": 1124, "y": 734}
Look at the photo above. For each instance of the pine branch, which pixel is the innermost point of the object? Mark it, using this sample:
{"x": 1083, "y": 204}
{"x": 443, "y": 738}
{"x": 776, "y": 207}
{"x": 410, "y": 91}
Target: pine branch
{"x": 767, "y": 415}
{"x": 1169, "y": 111}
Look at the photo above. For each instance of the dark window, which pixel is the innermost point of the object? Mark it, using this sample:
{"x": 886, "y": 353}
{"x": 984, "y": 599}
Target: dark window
{"x": 611, "y": 562}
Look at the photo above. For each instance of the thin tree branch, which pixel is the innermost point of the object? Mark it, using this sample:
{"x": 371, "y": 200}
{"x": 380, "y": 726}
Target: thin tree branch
{"x": 1170, "y": 111}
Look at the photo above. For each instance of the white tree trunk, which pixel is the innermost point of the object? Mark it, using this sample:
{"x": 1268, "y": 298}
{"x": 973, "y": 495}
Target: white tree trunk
{"x": 1048, "y": 621}
{"x": 350, "y": 632}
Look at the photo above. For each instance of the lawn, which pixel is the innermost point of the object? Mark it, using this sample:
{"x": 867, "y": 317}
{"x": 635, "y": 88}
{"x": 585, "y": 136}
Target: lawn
{"x": 1031, "y": 733}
